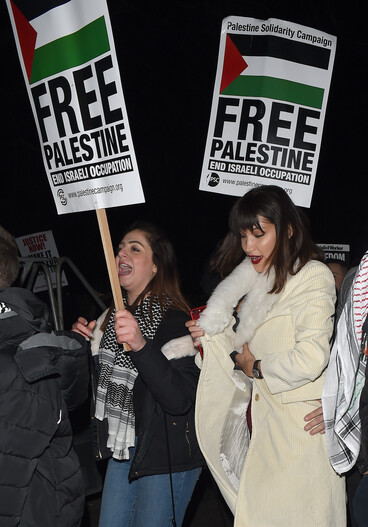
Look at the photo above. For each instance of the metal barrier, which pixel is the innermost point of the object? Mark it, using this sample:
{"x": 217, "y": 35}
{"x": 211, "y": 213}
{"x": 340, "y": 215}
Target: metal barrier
{"x": 28, "y": 275}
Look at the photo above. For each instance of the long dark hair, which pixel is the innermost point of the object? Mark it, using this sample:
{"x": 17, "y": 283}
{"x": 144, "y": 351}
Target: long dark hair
{"x": 228, "y": 255}
{"x": 294, "y": 246}
{"x": 165, "y": 284}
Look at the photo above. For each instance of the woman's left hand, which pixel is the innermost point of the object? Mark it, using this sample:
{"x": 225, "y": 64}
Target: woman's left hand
{"x": 127, "y": 330}
{"x": 245, "y": 360}
{"x": 195, "y": 332}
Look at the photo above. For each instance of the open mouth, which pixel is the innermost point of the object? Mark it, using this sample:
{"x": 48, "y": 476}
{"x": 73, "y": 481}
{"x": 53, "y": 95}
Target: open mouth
{"x": 124, "y": 269}
{"x": 255, "y": 259}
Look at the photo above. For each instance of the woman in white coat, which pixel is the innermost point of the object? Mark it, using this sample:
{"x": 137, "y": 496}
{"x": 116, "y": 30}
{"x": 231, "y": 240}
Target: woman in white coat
{"x": 284, "y": 297}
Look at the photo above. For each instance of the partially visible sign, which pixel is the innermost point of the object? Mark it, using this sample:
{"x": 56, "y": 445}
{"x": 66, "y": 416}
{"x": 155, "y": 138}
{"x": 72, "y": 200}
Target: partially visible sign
{"x": 268, "y": 108}
{"x": 335, "y": 251}
{"x": 67, "y": 53}
{"x": 41, "y": 245}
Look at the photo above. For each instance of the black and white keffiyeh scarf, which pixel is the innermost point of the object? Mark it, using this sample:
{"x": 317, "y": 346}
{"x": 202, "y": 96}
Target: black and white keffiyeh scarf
{"x": 345, "y": 377}
{"x": 4, "y": 308}
{"x": 117, "y": 376}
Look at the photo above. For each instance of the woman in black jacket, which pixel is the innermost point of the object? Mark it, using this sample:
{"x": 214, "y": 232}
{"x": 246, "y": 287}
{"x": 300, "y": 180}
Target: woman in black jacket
{"x": 147, "y": 392}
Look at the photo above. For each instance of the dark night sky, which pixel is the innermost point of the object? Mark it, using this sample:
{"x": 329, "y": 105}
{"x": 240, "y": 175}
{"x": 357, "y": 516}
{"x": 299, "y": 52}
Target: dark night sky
{"x": 167, "y": 53}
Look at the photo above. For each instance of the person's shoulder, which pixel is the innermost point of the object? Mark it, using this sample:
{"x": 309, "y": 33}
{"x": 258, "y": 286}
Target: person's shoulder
{"x": 315, "y": 264}
{"x": 349, "y": 277}
{"x": 315, "y": 270}
{"x": 317, "y": 267}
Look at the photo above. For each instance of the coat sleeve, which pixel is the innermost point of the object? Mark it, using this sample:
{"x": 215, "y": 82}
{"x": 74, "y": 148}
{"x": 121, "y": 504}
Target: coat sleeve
{"x": 166, "y": 365}
{"x": 311, "y": 306}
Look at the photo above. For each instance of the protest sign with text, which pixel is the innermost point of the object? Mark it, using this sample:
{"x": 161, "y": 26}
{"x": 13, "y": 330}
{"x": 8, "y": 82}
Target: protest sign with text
{"x": 268, "y": 108}
{"x": 41, "y": 245}
{"x": 336, "y": 251}
{"x": 67, "y": 53}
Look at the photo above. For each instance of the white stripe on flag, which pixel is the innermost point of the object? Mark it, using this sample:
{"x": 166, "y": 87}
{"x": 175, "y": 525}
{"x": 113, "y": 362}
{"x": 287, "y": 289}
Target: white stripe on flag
{"x": 66, "y": 19}
{"x": 282, "y": 69}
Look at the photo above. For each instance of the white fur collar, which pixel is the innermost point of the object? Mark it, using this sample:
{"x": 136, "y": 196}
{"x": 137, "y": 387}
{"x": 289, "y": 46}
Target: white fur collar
{"x": 244, "y": 280}
{"x": 178, "y": 348}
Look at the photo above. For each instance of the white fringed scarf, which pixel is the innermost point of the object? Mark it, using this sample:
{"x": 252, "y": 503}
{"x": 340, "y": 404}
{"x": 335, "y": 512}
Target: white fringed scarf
{"x": 244, "y": 280}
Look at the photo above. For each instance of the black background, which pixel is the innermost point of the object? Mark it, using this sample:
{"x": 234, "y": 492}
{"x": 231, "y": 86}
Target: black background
{"x": 167, "y": 53}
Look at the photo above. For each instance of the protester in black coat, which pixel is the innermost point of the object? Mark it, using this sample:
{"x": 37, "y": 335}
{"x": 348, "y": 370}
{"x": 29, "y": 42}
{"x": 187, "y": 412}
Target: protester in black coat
{"x": 42, "y": 375}
{"x": 40, "y": 379}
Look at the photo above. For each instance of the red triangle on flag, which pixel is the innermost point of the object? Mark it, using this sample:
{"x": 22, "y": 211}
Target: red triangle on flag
{"x": 27, "y": 38}
{"x": 234, "y": 64}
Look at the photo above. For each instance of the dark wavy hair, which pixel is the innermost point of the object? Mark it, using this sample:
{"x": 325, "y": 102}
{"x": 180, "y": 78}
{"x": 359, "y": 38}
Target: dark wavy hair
{"x": 166, "y": 283}
{"x": 294, "y": 246}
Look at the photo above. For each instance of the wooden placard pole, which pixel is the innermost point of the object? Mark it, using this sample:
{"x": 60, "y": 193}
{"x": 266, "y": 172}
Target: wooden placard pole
{"x": 110, "y": 258}
{"x": 110, "y": 261}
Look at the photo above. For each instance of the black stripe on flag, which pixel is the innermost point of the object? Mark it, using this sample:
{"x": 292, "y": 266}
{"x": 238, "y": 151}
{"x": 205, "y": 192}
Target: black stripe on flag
{"x": 281, "y": 48}
{"x": 34, "y": 8}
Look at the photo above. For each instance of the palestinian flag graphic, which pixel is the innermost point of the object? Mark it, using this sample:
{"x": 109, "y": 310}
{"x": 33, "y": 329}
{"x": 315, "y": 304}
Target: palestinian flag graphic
{"x": 57, "y": 35}
{"x": 294, "y": 69}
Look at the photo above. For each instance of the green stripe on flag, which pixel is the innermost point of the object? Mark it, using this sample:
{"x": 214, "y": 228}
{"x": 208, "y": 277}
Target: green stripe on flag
{"x": 70, "y": 51}
{"x": 272, "y": 88}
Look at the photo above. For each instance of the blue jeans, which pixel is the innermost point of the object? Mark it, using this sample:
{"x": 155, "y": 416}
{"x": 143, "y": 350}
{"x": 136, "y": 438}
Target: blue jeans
{"x": 146, "y": 501}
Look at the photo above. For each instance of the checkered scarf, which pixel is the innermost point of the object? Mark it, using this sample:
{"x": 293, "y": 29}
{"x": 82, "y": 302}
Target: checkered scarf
{"x": 116, "y": 380}
{"x": 345, "y": 377}
{"x": 4, "y": 308}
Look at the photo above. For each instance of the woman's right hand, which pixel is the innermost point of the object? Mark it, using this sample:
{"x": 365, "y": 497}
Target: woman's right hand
{"x": 84, "y": 328}
{"x": 195, "y": 332}
{"x": 315, "y": 420}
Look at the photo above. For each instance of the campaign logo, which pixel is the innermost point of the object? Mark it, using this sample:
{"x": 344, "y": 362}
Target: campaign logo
{"x": 62, "y": 197}
{"x": 213, "y": 179}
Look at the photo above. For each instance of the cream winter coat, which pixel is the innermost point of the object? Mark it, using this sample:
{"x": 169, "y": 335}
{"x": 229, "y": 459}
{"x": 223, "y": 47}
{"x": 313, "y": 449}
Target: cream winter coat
{"x": 282, "y": 477}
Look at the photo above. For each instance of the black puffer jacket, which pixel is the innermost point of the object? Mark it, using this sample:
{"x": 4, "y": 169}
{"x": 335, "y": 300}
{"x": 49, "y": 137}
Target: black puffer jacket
{"x": 41, "y": 375}
{"x": 164, "y": 400}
